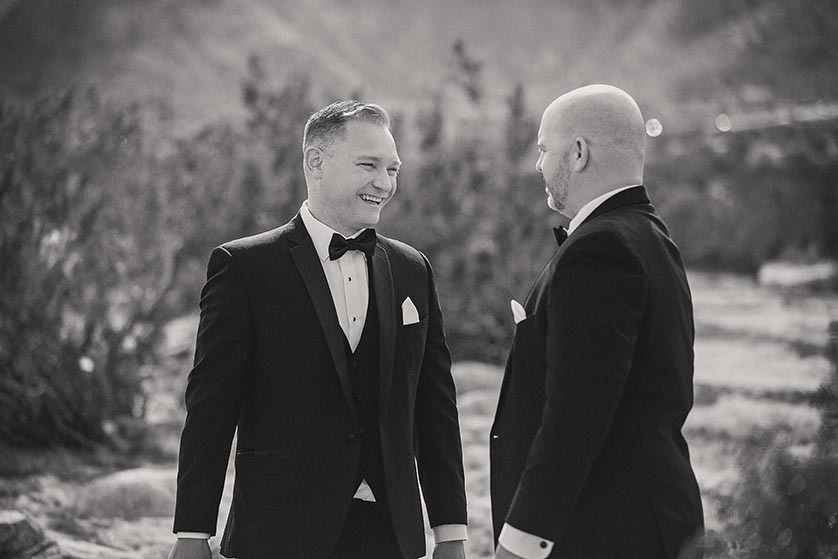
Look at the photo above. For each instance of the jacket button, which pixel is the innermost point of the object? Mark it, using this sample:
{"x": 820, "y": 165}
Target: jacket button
{"x": 361, "y": 431}
{"x": 358, "y": 397}
{"x": 352, "y": 438}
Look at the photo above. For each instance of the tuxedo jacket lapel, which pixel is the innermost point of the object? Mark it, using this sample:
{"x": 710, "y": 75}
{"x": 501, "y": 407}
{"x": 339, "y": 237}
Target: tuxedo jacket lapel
{"x": 308, "y": 264}
{"x": 385, "y": 300}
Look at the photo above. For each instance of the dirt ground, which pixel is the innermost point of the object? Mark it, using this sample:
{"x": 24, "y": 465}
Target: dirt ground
{"x": 758, "y": 356}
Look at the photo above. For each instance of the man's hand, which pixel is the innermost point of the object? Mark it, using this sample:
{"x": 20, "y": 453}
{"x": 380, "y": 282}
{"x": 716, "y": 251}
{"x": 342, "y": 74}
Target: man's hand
{"x": 449, "y": 550}
{"x": 189, "y": 548}
{"x": 503, "y": 553}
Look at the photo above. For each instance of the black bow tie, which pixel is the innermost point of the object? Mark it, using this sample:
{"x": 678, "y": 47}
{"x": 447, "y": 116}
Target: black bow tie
{"x": 561, "y": 234}
{"x": 365, "y": 242}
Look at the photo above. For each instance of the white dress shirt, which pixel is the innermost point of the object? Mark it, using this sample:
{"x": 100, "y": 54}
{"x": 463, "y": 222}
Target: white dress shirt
{"x": 519, "y": 542}
{"x": 349, "y": 285}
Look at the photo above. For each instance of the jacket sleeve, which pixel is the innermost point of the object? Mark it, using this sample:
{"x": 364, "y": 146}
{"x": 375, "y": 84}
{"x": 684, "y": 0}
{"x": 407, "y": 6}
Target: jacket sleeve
{"x": 439, "y": 449}
{"x": 223, "y": 352}
{"x": 595, "y": 304}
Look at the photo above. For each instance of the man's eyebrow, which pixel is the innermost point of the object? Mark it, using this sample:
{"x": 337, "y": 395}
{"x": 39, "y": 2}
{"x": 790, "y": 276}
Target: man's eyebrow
{"x": 376, "y": 158}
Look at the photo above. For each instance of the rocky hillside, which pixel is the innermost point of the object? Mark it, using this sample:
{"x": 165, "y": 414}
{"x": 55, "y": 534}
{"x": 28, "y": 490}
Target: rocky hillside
{"x": 193, "y": 54}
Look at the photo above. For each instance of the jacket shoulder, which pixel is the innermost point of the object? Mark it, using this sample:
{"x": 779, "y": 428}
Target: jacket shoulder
{"x": 606, "y": 240}
{"x": 403, "y": 252}
{"x": 261, "y": 242}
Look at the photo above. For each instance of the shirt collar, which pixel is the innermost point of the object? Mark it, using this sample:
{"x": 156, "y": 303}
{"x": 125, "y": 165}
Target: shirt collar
{"x": 320, "y": 233}
{"x": 589, "y": 208}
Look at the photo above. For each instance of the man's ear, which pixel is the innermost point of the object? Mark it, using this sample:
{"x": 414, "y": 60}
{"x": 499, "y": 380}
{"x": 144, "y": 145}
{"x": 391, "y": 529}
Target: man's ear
{"x": 579, "y": 154}
{"x": 313, "y": 161}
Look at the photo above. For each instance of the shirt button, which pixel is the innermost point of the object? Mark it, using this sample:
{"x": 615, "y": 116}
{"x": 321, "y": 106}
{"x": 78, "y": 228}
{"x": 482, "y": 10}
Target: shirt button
{"x": 349, "y": 279}
{"x": 543, "y": 545}
{"x": 354, "y": 319}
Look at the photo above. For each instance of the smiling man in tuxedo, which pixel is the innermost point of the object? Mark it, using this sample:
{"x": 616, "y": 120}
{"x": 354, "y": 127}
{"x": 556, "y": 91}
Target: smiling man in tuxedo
{"x": 587, "y": 456}
{"x": 323, "y": 344}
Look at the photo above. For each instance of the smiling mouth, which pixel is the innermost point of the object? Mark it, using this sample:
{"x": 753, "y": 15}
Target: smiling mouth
{"x": 369, "y": 199}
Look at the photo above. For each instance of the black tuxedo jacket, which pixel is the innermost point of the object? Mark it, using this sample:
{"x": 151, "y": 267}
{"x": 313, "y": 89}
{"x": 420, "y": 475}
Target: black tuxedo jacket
{"x": 270, "y": 360}
{"x": 586, "y": 447}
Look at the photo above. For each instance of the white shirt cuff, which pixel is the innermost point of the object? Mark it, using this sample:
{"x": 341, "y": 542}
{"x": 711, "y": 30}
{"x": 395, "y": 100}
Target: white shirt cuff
{"x": 524, "y": 544}
{"x": 450, "y": 533}
{"x": 193, "y": 535}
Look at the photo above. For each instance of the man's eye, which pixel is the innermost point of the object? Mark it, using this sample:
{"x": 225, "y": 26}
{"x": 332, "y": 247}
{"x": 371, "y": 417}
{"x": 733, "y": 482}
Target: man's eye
{"x": 367, "y": 165}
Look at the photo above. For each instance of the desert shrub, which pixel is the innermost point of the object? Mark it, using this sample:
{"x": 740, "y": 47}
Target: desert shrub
{"x": 736, "y": 200}
{"x": 786, "y": 507}
{"x": 107, "y": 218}
{"x": 87, "y": 266}
{"x": 472, "y": 201}
{"x": 787, "y": 504}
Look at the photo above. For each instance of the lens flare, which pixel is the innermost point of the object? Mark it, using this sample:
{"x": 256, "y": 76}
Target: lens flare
{"x": 654, "y": 127}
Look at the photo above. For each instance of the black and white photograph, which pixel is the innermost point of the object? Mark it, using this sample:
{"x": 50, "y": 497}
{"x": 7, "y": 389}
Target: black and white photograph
{"x": 391, "y": 279}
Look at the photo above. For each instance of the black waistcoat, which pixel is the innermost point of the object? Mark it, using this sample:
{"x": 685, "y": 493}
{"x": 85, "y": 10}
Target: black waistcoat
{"x": 364, "y": 373}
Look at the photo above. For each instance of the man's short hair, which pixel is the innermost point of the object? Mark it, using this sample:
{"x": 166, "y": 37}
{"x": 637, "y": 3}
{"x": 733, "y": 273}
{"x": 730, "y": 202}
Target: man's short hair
{"x": 324, "y": 126}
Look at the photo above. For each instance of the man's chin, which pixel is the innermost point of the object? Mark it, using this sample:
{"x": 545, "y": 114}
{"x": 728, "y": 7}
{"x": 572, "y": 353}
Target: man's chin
{"x": 557, "y": 207}
{"x": 370, "y": 218}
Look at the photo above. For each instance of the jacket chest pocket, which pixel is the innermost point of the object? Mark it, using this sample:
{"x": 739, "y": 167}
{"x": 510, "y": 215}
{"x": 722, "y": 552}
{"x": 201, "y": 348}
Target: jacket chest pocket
{"x": 410, "y": 345}
{"x": 528, "y": 344}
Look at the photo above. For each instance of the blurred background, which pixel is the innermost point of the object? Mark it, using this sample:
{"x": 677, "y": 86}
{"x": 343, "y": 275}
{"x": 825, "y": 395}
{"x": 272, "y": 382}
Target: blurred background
{"x": 136, "y": 136}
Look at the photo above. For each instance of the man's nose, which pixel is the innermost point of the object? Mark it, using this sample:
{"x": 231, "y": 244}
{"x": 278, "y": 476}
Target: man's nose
{"x": 538, "y": 162}
{"x": 382, "y": 181}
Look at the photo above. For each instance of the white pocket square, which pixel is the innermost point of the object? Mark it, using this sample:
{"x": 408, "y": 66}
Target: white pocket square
{"x": 409, "y": 313}
{"x": 518, "y": 312}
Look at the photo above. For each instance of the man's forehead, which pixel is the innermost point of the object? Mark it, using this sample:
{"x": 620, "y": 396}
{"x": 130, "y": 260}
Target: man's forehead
{"x": 374, "y": 140}
{"x": 546, "y": 133}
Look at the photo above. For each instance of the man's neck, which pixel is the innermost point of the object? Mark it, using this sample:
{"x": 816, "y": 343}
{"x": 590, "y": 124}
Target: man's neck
{"x": 324, "y": 218}
{"x": 595, "y": 188}
{"x": 591, "y": 206}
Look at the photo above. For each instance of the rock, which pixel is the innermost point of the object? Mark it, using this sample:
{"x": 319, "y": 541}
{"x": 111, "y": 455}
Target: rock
{"x": 74, "y": 549}
{"x": 129, "y": 494}
{"x": 17, "y": 533}
{"x": 21, "y": 538}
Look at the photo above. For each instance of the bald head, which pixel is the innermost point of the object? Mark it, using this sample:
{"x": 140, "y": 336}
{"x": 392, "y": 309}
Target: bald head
{"x": 599, "y": 133}
{"x": 602, "y": 114}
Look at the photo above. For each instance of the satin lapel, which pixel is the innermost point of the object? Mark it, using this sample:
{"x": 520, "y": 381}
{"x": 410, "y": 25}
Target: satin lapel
{"x": 308, "y": 264}
{"x": 384, "y": 299}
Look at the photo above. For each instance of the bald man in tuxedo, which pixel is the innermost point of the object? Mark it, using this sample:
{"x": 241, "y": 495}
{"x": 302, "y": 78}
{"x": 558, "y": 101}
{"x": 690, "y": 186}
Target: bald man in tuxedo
{"x": 587, "y": 456}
